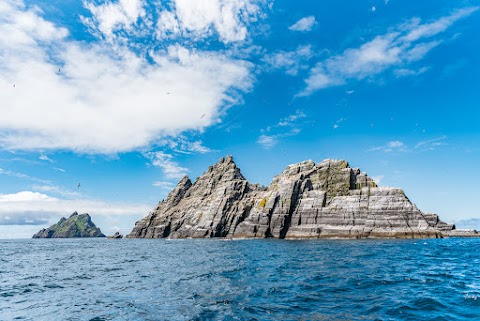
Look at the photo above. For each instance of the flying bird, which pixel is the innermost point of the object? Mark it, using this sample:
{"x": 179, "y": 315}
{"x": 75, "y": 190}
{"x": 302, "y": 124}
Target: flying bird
{"x": 78, "y": 186}
{"x": 202, "y": 116}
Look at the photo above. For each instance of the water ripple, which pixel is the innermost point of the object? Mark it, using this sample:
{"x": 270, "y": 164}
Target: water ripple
{"x": 94, "y": 279}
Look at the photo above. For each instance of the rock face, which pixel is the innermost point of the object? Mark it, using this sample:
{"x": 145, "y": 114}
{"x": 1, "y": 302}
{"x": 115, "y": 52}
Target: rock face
{"x": 77, "y": 225}
{"x": 325, "y": 200}
{"x": 117, "y": 235}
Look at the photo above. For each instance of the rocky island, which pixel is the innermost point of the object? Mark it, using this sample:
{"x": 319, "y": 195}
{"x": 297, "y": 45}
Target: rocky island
{"x": 77, "y": 225}
{"x": 325, "y": 200}
{"x": 117, "y": 235}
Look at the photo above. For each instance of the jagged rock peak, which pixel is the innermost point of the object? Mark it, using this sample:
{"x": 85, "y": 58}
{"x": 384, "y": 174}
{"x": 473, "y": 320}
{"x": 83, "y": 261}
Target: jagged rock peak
{"x": 225, "y": 169}
{"x": 179, "y": 191}
{"x": 307, "y": 200}
{"x": 77, "y": 225}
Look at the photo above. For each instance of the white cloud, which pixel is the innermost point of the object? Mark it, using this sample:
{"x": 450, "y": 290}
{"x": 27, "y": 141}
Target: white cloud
{"x": 22, "y": 176}
{"x": 422, "y": 146}
{"x": 33, "y": 208}
{"x": 267, "y": 141}
{"x": 59, "y": 169}
{"x": 45, "y": 158}
{"x": 431, "y": 144}
{"x": 405, "y": 72}
{"x": 392, "y": 146}
{"x": 56, "y": 190}
{"x": 111, "y": 16}
{"x": 304, "y": 24}
{"x": 338, "y": 122}
{"x": 290, "y": 61}
{"x": 182, "y": 144}
{"x": 170, "y": 168}
{"x": 106, "y": 98}
{"x": 25, "y": 196}
{"x": 286, "y": 127}
{"x": 405, "y": 44}
{"x": 201, "y": 18}
{"x": 164, "y": 185}
{"x": 292, "y": 119}
{"x": 377, "y": 179}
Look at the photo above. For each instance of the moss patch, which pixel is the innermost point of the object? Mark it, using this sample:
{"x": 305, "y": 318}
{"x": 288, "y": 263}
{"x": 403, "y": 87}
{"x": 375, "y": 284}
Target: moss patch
{"x": 263, "y": 203}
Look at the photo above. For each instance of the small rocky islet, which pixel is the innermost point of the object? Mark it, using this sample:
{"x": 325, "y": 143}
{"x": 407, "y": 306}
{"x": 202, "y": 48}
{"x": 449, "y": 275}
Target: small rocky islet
{"x": 77, "y": 225}
{"x": 117, "y": 235}
{"x": 329, "y": 199}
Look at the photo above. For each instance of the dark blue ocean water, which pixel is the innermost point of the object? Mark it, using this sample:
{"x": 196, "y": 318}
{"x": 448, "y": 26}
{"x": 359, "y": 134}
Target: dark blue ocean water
{"x": 100, "y": 279}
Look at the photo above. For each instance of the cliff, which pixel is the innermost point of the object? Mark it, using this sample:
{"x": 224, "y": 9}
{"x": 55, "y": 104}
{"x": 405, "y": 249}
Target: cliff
{"x": 77, "y": 225}
{"x": 325, "y": 200}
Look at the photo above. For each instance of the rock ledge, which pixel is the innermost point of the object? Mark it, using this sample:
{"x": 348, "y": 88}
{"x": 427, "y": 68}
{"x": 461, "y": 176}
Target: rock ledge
{"x": 307, "y": 200}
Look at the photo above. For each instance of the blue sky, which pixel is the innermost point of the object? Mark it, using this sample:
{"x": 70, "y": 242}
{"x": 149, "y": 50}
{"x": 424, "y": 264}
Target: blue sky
{"x": 125, "y": 97}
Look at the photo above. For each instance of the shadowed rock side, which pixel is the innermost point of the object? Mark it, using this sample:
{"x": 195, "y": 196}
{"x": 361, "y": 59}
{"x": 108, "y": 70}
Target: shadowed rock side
{"x": 77, "y": 225}
{"x": 325, "y": 200}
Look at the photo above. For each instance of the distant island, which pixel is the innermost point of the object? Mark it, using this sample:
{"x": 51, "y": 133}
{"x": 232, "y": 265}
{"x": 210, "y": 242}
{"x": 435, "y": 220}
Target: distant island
{"x": 117, "y": 235}
{"x": 325, "y": 200}
{"x": 77, "y": 225}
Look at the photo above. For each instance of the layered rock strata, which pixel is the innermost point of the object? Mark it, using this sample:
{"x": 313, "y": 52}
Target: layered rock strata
{"x": 77, "y": 225}
{"x": 325, "y": 200}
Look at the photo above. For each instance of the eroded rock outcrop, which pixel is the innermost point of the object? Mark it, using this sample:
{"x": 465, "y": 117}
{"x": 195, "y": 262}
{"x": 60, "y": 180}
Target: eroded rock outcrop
{"x": 325, "y": 200}
{"x": 77, "y": 225}
{"x": 117, "y": 235}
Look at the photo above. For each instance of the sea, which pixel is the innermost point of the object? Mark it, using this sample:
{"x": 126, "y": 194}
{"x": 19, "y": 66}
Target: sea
{"x": 212, "y": 279}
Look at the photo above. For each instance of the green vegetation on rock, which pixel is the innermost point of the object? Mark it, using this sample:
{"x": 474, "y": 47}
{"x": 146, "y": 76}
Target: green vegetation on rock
{"x": 77, "y": 225}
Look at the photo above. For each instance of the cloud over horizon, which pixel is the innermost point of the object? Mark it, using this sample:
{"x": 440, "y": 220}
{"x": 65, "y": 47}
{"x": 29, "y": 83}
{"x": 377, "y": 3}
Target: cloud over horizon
{"x": 35, "y": 208}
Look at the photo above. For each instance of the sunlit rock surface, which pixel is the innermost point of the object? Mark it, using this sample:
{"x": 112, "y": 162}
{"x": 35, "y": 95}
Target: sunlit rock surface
{"x": 77, "y": 225}
{"x": 325, "y": 200}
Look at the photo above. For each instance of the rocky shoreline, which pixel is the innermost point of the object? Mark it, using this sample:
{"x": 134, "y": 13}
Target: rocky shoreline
{"x": 306, "y": 201}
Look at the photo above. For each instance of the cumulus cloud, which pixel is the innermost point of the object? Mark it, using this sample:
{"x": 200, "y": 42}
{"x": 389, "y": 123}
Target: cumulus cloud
{"x": 111, "y": 16}
{"x": 290, "y": 61}
{"x": 405, "y": 44}
{"x": 24, "y": 213}
{"x": 304, "y": 24}
{"x": 201, "y": 18}
{"x": 33, "y": 208}
{"x": 103, "y": 98}
{"x": 171, "y": 169}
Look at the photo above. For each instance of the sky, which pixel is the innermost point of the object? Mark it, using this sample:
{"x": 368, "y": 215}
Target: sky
{"x": 106, "y": 105}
